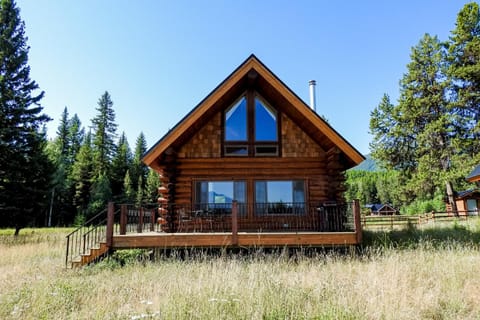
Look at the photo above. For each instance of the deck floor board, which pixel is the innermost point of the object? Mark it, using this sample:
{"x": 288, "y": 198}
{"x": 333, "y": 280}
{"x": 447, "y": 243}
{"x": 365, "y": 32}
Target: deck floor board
{"x": 224, "y": 239}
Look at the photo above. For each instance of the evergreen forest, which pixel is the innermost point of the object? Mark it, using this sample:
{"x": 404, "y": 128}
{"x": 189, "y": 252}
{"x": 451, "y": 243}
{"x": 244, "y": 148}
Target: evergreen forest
{"x": 428, "y": 141}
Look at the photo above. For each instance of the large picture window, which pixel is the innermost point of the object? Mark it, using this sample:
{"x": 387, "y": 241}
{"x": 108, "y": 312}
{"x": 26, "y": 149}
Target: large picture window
{"x": 251, "y": 128}
{"x": 217, "y": 196}
{"x": 236, "y": 121}
{"x": 280, "y": 197}
{"x": 265, "y": 122}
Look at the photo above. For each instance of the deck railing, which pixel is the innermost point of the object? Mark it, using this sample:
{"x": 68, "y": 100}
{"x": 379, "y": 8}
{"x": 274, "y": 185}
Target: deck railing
{"x": 260, "y": 217}
{"x": 122, "y": 219}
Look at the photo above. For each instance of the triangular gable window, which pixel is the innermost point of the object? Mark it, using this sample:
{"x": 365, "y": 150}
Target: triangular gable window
{"x": 236, "y": 121}
{"x": 265, "y": 122}
{"x": 251, "y": 128}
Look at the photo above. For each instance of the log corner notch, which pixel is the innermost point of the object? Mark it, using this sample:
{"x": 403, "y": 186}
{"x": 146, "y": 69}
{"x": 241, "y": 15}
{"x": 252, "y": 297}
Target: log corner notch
{"x": 336, "y": 176}
{"x": 167, "y": 191}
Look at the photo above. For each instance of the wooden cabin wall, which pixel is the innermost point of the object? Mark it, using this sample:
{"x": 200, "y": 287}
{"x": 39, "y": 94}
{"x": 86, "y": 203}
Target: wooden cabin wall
{"x": 206, "y": 143}
{"x": 296, "y": 143}
{"x": 301, "y": 158}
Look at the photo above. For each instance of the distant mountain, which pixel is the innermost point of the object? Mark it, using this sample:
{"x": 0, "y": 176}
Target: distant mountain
{"x": 367, "y": 165}
{"x": 214, "y": 197}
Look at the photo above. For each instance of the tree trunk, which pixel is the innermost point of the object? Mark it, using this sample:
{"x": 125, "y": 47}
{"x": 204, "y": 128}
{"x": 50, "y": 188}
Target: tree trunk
{"x": 451, "y": 197}
{"x": 17, "y": 231}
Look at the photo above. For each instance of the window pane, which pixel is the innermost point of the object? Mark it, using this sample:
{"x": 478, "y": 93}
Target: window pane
{"x": 236, "y": 150}
{"x": 280, "y": 197}
{"x": 266, "y": 150}
{"x": 220, "y": 191}
{"x": 239, "y": 191}
{"x": 236, "y": 121}
{"x": 298, "y": 191}
{"x": 265, "y": 122}
{"x": 279, "y": 191}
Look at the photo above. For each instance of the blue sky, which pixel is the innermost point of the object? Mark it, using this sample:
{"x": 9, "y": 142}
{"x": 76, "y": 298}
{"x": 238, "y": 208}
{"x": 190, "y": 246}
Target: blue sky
{"x": 159, "y": 59}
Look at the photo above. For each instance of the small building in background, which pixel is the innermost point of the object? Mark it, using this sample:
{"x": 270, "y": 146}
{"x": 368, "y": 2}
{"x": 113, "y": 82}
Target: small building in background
{"x": 378, "y": 209}
{"x": 467, "y": 202}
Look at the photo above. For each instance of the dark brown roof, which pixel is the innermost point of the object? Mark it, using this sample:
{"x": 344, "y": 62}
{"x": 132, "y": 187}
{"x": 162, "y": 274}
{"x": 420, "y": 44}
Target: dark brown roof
{"x": 474, "y": 175}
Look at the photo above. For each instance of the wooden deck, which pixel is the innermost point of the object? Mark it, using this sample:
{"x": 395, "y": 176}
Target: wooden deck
{"x": 226, "y": 240}
{"x": 95, "y": 239}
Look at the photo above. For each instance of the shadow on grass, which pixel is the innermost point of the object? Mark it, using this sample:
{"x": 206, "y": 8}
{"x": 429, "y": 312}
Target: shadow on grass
{"x": 447, "y": 235}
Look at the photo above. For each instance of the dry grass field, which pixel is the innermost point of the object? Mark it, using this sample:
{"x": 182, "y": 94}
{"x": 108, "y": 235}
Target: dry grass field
{"x": 412, "y": 274}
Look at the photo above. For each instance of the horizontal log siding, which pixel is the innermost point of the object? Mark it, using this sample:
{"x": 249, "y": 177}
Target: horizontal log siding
{"x": 314, "y": 171}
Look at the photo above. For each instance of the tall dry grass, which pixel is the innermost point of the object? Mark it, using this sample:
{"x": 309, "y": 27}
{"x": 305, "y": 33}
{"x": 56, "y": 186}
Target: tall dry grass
{"x": 426, "y": 278}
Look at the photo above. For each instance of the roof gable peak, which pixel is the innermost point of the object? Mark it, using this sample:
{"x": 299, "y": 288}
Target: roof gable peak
{"x": 227, "y": 86}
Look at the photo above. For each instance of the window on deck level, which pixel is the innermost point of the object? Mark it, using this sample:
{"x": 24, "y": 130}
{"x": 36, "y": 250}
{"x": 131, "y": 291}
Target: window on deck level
{"x": 217, "y": 196}
{"x": 277, "y": 197}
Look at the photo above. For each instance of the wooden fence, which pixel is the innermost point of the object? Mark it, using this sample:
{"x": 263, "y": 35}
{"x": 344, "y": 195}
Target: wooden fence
{"x": 399, "y": 221}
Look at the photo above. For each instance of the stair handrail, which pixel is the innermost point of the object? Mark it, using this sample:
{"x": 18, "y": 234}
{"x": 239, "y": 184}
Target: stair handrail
{"x": 87, "y": 222}
{"x": 90, "y": 226}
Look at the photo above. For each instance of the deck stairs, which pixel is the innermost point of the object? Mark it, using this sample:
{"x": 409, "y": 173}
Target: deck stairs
{"x": 87, "y": 243}
{"x": 95, "y": 254}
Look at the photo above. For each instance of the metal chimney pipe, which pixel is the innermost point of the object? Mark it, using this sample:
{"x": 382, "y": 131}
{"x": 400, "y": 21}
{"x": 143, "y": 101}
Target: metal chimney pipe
{"x": 313, "y": 100}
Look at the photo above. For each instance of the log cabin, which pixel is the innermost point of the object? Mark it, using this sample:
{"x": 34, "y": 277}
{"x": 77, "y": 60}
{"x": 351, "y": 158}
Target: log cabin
{"x": 250, "y": 165}
{"x": 253, "y": 141}
{"x": 468, "y": 203}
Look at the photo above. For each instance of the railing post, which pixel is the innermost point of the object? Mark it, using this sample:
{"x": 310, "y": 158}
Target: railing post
{"x": 123, "y": 219}
{"x": 234, "y": 223}
{"x": 152, "y": 220}
{"x": 358, "y": 222}
{"x": 110, "y": 216}
{"x": 68, "y": 248}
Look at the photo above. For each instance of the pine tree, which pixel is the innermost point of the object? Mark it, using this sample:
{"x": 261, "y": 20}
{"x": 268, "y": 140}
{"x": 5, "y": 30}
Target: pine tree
{"x": 128, "y": 191}
{"x": 63, "y": 153}
{"x": 105, "y": 128}
{"x": 139, "y": 170}
{"x": 464, "y": 70}
{"x": 100, "y": 194}
{"x": 120, "y": 164}
{"x": 416, "y": 136}
{"x": 139, "y": 194}
{"x": 21, "y": 120}
{"x": 62, "y": 138}
{"x": 151, "y": 187}
{"x": 76, "y": 135}
{"x": 82, "y": 176}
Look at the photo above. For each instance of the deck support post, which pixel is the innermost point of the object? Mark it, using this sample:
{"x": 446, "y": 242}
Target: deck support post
{"x": 234, "y": 223}
{"x": 110, "y": 216}
{"x": 123, "y": 219}
{"x": 357, "y": 220}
